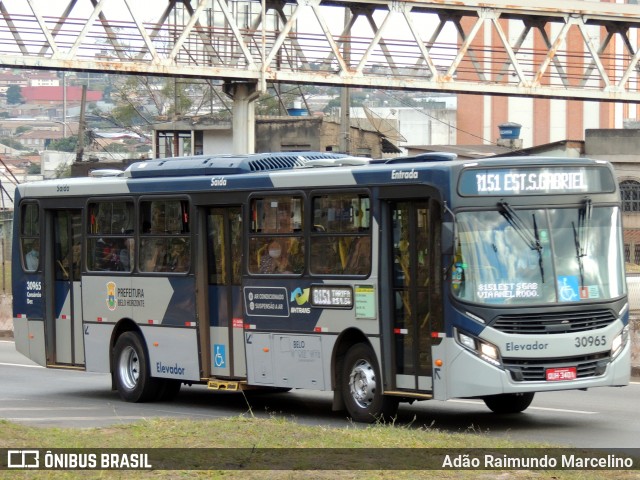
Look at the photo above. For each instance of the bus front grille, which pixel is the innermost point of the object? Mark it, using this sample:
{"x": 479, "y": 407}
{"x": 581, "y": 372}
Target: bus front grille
{"x": 534, "y": 370}
{"x": 553, "y": 323}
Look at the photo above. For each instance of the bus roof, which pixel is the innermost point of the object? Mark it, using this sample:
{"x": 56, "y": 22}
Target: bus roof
{"x": 261, "y": 162}
{"x": 226, "y": 164}
{"x": 282, "y": 170}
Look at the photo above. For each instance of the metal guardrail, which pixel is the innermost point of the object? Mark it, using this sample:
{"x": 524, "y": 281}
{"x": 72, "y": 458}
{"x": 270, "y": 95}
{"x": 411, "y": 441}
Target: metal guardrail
{"x": 395, "y": 44}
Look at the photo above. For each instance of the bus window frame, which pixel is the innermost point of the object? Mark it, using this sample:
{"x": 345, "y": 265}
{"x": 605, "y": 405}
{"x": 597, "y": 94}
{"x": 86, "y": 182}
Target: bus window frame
{"x": 88, "y": 236}
{"x": 300, "y": 234}
{"x": 353, "y": 235}
{"x": 140, "y": 235}
{"x": 33, "y": 238}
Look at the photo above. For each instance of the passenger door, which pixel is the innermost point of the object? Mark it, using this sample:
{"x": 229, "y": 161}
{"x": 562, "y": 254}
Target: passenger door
{"x": 224, "y": 262}
{"x": 63, "y": 310}
{"x": 415, "y": 291}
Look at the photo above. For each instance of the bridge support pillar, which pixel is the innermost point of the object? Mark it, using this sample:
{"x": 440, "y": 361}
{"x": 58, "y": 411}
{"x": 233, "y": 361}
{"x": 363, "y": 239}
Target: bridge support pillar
{"x": 244, "y": 94}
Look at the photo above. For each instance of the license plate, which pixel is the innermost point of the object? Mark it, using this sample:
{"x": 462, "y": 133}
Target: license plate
{"x": 561, "y": 374}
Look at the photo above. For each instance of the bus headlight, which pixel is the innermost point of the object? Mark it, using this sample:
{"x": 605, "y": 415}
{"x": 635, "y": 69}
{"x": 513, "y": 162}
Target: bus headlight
{"x": 619, "y": 342}
{"x": 485, "y": 350}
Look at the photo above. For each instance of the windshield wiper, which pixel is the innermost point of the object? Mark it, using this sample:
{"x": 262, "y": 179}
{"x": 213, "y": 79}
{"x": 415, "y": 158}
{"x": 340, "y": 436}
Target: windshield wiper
{"x": 584, "y": 224}
{"x": 581, "y": 235}
{"x": 533, "y": 241}
{"x": 538, "y": 246}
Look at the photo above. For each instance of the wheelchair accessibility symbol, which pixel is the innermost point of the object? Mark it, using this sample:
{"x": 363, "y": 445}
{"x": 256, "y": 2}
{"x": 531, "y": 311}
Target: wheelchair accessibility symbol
{"x": 568, "y": 288}
{"x": 219, "y": 356}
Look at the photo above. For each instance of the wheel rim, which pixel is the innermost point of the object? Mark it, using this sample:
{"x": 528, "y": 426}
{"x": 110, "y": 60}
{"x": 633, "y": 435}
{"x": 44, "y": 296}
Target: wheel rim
{"x": 129, "y": 367}
{"x": 362, "y": 383}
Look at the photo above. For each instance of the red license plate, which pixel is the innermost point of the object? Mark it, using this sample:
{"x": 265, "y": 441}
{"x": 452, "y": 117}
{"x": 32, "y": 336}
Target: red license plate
{"x": 561, "y": 374}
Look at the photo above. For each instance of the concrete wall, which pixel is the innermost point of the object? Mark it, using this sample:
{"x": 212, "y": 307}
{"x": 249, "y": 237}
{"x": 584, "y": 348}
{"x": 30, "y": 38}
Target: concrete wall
{"x": 288, "y": 134}
{"x": 609, "y": 141}
{"x": 312, "y": 134}
{"x": 217, "y": 142}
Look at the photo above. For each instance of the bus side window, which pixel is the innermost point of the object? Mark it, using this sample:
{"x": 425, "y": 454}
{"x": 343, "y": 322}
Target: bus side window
{"x": 30, "y": 233}
{"x": 153, "y": 255}
{"x": 165, "y": 245}
{"x": 32, "y": 257}
{"x": 340, "y": 241}
{"x": 110, "y": 236}
{"x": 359, "y": 257}
{"x": 276, "y": 245}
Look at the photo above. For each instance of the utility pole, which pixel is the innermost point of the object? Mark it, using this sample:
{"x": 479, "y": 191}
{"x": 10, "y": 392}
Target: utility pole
{"x": 64, "y": 104}
{"x": 81, "y": 127}
{"x": 345, "y": 96}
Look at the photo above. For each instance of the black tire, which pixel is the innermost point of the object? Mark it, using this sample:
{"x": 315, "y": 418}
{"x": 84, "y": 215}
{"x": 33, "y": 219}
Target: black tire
{"x": 131, "y": 370}
{"x": 509, "y": 402}
{"x": 361, "y": 386}
{"x": 169, "y": 389}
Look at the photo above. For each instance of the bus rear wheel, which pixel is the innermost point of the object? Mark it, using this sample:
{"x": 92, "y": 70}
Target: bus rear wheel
{"x": 508, "y": 402}
{"x": 131, "y": 368}
{"x": 361, "y": 386}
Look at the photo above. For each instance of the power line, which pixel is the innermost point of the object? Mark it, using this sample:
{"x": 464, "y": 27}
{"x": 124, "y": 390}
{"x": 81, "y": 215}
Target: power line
{"x": 424, "y": 112}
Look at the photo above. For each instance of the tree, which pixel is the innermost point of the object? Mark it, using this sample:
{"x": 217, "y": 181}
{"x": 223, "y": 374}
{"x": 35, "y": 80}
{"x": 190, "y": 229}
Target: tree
{"x": 115, "y": 148}
{"x": 62, "y": 171}
{"x": 10, "y": 142}
{"x": 280, "y": 98}
{"x": 14, "y": 95}
{"x": 139, "y": 99}
{"x": 67, "y": 144}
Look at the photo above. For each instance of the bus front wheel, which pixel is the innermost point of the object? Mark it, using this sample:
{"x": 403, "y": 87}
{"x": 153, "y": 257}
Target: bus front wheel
{"x": 133, "y": 379}
{"x": 508, "y": 402}
{"x": 361, "y": 386}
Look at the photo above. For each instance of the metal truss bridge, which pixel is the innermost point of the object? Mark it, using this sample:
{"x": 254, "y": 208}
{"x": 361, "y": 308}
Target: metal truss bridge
{"x": 560, "y": 49}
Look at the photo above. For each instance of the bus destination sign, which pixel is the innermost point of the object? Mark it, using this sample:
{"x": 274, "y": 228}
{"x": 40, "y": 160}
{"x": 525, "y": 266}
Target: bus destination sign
{"x": 545, "y": 180}
{"x": 331, "y": 296}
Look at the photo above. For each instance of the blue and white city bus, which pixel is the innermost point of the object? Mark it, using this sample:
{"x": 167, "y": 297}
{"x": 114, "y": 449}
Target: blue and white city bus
{"x": 383, "y": 281}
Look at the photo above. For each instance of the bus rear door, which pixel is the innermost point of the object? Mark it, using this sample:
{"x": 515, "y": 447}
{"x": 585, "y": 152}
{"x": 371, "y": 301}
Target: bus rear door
{"x": 223, "y": 252}
{"x": 63, "y": 309}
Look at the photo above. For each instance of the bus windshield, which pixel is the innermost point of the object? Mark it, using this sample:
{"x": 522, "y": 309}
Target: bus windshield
{"x": 536, "y": 256}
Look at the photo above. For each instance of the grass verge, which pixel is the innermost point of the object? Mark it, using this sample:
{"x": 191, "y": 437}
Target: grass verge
{"x": 253, "y": 433}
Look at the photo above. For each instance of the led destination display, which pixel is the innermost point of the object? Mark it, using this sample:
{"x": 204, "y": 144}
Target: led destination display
{"x": 546, "y": 180}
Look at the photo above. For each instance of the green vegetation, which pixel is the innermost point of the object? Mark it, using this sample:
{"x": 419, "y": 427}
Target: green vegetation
{"x": 250, "y": 432}
{"x": 12, "y": 143}
{"x": 14, "y": 95}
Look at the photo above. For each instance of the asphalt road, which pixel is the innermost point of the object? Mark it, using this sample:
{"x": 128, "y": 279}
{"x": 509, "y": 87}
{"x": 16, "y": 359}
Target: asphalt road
{"x": 32, "y": 395}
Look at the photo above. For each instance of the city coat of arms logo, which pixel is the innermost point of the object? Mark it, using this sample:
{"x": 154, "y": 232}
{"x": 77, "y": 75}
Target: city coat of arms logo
{"x": 111, "y": 296}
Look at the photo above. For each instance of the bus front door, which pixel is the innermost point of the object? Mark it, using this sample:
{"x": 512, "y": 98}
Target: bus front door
{"x": 224, "y": 275}
{"x": 414, "y": 258}
{"x": 63, "y": 311}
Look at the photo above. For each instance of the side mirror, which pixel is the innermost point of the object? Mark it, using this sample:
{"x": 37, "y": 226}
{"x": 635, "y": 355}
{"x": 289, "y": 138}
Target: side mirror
{"x": 448, "y": 237}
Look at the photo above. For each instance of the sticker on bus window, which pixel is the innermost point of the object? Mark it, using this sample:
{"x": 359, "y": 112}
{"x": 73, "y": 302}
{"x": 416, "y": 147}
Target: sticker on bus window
{"x": 365, "y": 299}
{"x": 589, "y": 291}
{"x": 568, "y": 288}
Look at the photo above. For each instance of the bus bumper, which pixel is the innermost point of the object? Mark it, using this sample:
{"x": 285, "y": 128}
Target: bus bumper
{"x": 465, "y": 375}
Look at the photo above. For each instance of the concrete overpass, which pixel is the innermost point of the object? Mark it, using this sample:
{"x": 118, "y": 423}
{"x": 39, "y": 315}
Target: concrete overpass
{"x": 570, "y": 50}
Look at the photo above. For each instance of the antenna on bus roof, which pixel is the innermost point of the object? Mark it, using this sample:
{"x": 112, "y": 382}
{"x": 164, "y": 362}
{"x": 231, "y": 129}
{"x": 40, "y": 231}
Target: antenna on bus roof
{"x": 106, "y": 172}
{"x": 425, "y": 157}
{"x": 338, "y": 162}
